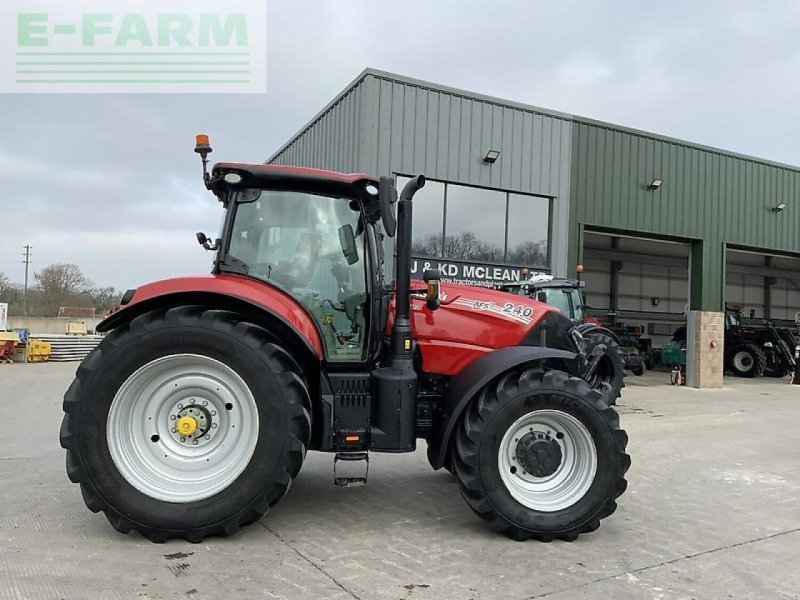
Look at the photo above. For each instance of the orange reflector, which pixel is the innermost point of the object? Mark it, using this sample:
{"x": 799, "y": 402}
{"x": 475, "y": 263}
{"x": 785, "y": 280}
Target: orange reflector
{"x": 202, "y": 140}
{"x": 351, "y": 438}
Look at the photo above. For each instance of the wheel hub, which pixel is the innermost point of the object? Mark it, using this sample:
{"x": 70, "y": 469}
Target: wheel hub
{"x": 547, "y": 460}
{"x": 142, "y": 427}
{"x": 194, "y": 422}
{"x": 539, "y": 454}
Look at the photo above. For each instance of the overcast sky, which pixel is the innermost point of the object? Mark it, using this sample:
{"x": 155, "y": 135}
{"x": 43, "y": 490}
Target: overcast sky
{"x": 110, "y": 182}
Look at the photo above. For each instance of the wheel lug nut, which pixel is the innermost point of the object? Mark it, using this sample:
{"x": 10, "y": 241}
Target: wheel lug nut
{"x": 213, "y": 413}
{"x": 183, "y": 439}
{"x": 208, "y": 437}
{"x": 180, "y": 406}
{"x": 194, "y": 442}
{"x": 174, "y": 430}
{"x": 205, "y": 402}
{"x": 214, "y": 425}
{"x": 172, "y": 417}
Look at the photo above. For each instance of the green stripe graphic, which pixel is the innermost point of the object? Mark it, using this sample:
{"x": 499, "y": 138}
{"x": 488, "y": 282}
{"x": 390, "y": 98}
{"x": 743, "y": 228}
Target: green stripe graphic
{"x": 132, "y": 81}
{"x": 86, "y": 63}
{"x": 133, "y": 72}
{"x": 132, "y": 53}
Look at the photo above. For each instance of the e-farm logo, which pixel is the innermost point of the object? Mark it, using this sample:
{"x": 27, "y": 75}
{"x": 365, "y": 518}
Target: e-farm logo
{"x": 199, "y": 46}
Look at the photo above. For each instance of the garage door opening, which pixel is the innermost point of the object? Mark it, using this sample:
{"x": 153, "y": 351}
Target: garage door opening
{"x": 762, "y": 301}
{"x": 639, "y": 288}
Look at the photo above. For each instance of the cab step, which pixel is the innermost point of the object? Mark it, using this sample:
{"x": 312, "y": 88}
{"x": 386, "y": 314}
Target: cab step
{"x": 350, "y": 469}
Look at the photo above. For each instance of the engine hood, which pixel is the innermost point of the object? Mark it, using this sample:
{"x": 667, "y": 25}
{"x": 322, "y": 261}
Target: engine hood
{"x": 473, "y": 315}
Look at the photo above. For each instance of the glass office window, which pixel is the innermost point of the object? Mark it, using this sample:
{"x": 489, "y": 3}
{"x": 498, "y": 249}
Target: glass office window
{"x": 475, "y": 228}
{"x": 528, "y": 230}
{"x": 481, "y": 224}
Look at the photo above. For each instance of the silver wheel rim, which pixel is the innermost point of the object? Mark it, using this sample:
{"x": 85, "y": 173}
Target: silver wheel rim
{"x": 743, "y": 361}
{"x": 571, "y": 479}
{"x": 157, "y": 459}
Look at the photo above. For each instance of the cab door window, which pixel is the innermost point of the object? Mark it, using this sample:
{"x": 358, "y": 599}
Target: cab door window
{"x": 312, "y": 247}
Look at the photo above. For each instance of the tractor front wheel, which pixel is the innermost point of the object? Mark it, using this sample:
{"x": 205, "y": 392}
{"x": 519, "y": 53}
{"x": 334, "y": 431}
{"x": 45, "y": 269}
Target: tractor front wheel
{"x": 774, "y": 366}
{"x": 608, "y": 375}
{"x": 186, "y": 423}
{"x": 541, "y": 455}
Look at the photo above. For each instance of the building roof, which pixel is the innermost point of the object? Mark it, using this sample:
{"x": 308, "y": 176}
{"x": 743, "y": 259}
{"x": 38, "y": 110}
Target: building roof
{"x": 522, "y": 106}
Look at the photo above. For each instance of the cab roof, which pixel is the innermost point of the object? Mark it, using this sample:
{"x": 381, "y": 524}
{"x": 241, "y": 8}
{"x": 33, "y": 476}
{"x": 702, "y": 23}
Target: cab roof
{"x": 292, "y": 178}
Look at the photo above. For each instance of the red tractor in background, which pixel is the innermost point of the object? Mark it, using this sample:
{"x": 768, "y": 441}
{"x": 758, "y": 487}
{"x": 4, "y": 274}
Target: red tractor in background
{"x": 194, "y": 414}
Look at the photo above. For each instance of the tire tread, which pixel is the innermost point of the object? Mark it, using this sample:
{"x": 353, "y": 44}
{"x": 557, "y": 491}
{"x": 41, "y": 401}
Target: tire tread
{"x": 471, "y": 429}
{"x": 282, "y": 363}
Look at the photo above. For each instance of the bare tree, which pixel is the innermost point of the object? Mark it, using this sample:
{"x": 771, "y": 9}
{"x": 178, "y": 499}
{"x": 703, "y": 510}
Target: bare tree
{"x": 61, "y": 284}
{"x": 6, "y": 289}
{"x": 533, "y": 254}
{"x": 103, "y": 298}
{"x": 463, "y": 246}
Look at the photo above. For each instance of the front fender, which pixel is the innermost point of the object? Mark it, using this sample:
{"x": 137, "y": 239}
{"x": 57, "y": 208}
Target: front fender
{"x": 466, "y": 384}
{"x": 590, "y": 327}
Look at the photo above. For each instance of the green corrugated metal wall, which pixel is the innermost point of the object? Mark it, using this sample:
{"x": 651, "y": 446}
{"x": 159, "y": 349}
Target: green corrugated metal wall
{"x": 597, "y": 172}
{"x": 707, "y": 196}
{"x": 334, "y": 139}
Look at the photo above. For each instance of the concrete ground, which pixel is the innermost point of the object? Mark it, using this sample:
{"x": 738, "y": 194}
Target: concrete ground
{"x": 712, "y": 511}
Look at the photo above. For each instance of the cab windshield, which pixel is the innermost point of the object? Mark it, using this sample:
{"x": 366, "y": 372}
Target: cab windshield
{"x": 313, "y": 248}
{"x": 567, "y": 301}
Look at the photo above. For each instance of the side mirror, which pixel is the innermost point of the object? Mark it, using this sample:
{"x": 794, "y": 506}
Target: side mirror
{"x": 387, "y": 199}
{"x": 542, "y": 297}
{"x": 347, "y": 239}
{"x": 432, "y": 278}
{"x": 203, "y": 240}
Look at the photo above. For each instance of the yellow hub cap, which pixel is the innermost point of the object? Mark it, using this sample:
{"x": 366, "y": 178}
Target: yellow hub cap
{"x": 186, "y": 425}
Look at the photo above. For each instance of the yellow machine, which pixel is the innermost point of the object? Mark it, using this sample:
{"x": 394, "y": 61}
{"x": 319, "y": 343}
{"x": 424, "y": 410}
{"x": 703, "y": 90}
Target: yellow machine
{"x": 38, "y": 351}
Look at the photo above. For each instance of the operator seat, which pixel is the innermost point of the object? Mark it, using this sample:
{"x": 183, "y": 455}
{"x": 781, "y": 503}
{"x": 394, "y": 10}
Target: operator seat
{"x": 297, "y": 273}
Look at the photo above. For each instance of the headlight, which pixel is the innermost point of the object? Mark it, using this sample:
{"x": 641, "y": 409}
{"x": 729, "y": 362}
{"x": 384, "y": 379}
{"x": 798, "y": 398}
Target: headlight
{"x": 767, "y": 344}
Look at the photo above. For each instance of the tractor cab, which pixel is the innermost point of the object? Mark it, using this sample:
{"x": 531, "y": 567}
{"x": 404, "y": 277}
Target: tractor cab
{"x": 321, "y": 246}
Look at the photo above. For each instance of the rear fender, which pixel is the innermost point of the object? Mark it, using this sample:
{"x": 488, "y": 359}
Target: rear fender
{"x": 291, "y": 338}
{"x": 466, "y": 384}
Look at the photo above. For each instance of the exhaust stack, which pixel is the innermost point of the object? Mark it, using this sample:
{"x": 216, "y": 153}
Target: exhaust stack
{"x": 401, "y": 334}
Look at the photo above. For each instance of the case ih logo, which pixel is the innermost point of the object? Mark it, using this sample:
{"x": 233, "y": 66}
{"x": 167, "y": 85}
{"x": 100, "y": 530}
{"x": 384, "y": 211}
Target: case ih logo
{"x": 133, "y": 46}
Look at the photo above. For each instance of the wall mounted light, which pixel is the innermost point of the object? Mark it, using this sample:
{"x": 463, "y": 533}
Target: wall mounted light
{"x": 655, "y": 184}
{"x": 779, "y": 207}
{"x": 491, "y": 157}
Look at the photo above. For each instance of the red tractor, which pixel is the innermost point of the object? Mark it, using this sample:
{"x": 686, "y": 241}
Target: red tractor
{"x": 194, "y": 414}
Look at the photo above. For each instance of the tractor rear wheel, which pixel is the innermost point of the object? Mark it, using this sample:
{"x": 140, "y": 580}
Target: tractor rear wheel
{"x": 541, "y": 455}
{"x": 609, "y": 375}
{"x": 185, "y": 423}
{"x": 747, "y": 360}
